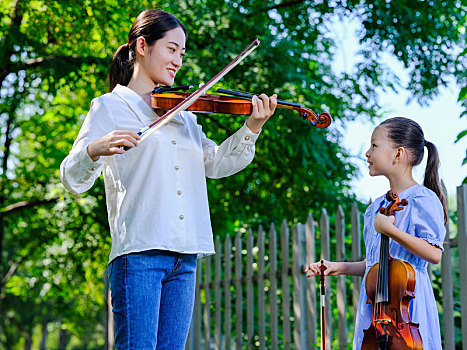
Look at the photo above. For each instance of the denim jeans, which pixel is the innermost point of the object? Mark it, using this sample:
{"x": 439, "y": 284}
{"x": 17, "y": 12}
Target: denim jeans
{"x": 153, "y": 294}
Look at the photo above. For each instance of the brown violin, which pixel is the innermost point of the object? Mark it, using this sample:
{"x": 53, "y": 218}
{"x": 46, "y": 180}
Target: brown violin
{"x": 390, "y": 286}
{"x": 233, "y": 102}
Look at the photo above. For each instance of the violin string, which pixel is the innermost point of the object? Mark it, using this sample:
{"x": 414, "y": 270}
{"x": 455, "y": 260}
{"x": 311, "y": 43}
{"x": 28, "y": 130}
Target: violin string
{"x": 250, "y": 96}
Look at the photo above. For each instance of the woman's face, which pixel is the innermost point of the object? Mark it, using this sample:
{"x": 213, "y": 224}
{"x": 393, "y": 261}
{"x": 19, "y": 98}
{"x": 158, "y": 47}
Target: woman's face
{"x": 165, "y": 57}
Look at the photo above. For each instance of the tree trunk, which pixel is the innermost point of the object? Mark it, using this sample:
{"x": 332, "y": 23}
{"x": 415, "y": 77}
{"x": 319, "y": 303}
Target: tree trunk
{"x": 45, "y": 332}
{"x": 28, "y": 342}
{"x": 63, "y": 339}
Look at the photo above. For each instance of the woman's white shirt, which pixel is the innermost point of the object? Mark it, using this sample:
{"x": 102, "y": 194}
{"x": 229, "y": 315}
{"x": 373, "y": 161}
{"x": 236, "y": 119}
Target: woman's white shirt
{"x": 156, "y": 193}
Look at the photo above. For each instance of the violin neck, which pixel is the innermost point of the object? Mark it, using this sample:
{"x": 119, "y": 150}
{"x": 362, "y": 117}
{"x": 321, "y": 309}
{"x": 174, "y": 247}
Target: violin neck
{"x": 382, "y": 294}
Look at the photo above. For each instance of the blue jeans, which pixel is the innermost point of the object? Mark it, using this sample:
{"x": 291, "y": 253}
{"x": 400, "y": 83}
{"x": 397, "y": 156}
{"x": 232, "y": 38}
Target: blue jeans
{"x": 153, "y": 295}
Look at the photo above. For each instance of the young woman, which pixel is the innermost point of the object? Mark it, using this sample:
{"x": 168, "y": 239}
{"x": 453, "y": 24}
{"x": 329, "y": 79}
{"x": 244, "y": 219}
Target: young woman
{"x": 156, "y": 191}
{"x": 417, "y": 232}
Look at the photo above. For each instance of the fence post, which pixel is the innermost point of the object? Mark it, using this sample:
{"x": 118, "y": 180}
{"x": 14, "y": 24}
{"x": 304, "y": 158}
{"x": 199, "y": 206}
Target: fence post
{"x": 228, "y": 296}
{"x": 197, "y": 307}
{"x": 217, "y": 295}
{"x": 462, "y": 241}
{"x": 325, "y": 254}
{"x": 311, "y": 295}
{"x": 261, "y": 295}
{"x": 109, "y": 317}
{"x": 250, "y": 305}
{"x": 341, "y": 292}
{"x": 273, "y": 286}
{"x": 446, "y": 287}
{"x": 356, "y": 256}
{"x": 238, "y": 292}
{"x": 299, "y": 287}
{"x": 207, "y": 305}
{"x": 285, "y": 253}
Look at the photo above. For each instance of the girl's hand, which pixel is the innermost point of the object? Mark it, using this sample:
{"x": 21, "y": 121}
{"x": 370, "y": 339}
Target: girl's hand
{"x": 384, "y": 224}
{"x": 110, "y": 144}
{"x": 263, "y": 109}
{"x": 332, "y": 269}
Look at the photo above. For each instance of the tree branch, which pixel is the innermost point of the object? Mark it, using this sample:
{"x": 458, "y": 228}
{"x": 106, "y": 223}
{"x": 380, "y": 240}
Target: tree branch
{"x": 25, "y": 205}
{"x": 54, "y": 61}
{"x": 275, "y": 7}
{"x": 11, "y": 271}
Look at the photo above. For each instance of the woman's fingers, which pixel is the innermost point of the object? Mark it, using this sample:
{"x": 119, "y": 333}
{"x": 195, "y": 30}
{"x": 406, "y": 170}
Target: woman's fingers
{"x": 113, "y": 143}
{"x": 266, "y": 106}
{"x": 263, "y": 108}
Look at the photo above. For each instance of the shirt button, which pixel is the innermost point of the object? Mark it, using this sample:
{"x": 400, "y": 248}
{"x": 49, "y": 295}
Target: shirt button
{"x": 179, "y": 192}
{"x": 93, "y": 168}
{"x": 247, "y": 138}
{"x": 174, "y": 142}
{"x": 177, "y": 167}
{"x": 181, "y": 217}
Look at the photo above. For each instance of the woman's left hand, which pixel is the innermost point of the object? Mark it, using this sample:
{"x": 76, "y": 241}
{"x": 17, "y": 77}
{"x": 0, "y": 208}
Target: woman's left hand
{"x": 263, "y": 109}
{"x": 384, "y": 224}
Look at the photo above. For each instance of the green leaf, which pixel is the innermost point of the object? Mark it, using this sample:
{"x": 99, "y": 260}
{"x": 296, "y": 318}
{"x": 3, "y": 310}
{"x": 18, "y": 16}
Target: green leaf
{"x": 460, "y": 136}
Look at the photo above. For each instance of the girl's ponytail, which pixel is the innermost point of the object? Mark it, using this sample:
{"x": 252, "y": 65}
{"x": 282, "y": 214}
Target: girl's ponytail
{"x": 406, "y": 133}
{"x": 121, "y": 67}
{"x": 431, "y": 179}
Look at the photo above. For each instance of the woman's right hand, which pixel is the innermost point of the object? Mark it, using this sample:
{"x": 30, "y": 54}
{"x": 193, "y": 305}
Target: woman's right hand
{"x": 110, "y": 144}
{"x": 332, "y": 268}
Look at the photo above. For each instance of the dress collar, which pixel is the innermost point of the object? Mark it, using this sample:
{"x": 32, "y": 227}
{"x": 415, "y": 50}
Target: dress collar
{"x": 143, "y": 112}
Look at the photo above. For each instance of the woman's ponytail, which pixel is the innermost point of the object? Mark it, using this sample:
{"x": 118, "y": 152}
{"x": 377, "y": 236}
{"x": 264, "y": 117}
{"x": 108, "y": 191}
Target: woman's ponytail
{"x": 431, "y": 179}
{"x": 121, "y": 67}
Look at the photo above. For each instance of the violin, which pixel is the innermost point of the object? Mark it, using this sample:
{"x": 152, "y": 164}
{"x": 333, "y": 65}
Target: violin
{"x": 233, "y": 102}
{"x": 390, "y": 286}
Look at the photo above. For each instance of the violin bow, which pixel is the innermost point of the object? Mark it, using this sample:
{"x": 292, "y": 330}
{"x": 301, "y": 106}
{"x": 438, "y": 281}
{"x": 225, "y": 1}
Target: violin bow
{"x": 323, "y": 302}
{"x": 148, "y": 130}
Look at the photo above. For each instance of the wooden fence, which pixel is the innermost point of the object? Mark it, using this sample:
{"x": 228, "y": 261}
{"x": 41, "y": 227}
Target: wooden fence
{"x": 248, "y": 299}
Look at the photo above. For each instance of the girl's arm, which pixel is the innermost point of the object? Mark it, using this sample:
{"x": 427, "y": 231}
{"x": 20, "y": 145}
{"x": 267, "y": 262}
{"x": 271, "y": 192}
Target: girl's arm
{"x": 334, "y": 268}
{"x": 415, "y": 245}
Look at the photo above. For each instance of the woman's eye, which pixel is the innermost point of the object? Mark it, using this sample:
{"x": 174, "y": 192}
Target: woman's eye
{"x": 171, "y": 49}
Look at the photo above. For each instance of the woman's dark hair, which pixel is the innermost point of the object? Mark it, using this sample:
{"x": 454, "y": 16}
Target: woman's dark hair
{"x": 151, "y": 25}
{"x": 406, "y": 133}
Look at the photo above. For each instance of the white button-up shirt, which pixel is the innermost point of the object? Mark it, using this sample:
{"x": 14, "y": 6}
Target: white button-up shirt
{"x": 156, "y": 193}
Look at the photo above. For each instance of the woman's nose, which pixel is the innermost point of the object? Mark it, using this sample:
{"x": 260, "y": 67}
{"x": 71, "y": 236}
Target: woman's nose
{"x": 177, "y": 61}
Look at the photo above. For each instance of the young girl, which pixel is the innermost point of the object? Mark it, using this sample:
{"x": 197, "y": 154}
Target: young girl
{"x": 417, "y": 232}
{"x": 156, "y": 191}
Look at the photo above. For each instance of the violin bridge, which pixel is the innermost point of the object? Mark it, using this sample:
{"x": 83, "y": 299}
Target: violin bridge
{"x": 382, "y": 321}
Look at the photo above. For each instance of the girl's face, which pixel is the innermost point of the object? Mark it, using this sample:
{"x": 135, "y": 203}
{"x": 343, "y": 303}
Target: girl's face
{"x": 165, "y": 57}
{"x": 381, "y": 155}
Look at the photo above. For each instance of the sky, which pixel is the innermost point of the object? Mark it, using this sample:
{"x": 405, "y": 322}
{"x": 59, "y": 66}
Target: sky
{"x": 440, "y": 122}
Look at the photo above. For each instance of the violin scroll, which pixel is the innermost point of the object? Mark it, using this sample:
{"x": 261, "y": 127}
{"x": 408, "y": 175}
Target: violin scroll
{"x": 322, "y": 121}
{"x": 394, "y": 205}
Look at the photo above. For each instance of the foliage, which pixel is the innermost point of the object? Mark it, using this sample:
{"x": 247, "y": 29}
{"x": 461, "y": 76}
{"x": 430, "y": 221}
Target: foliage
{"x": 54, "y": 58}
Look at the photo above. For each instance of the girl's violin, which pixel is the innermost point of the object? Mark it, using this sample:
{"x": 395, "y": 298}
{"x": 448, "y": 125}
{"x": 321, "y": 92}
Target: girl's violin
{"x": 390, "y": 286}
{"x": 233, "y": 102}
